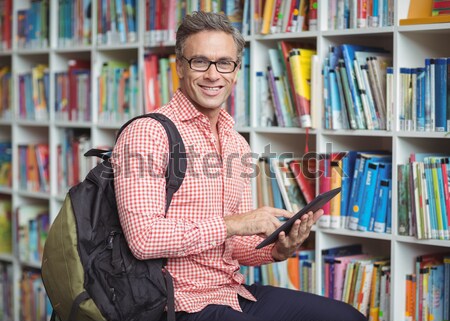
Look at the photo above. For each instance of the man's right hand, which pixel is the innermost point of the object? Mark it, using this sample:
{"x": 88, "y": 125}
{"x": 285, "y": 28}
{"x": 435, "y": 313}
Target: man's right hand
{"x": 262, "y": 221}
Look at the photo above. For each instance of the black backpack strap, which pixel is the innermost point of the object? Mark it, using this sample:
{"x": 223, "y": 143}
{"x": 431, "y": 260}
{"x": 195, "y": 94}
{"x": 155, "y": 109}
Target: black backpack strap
{"x": 170, "y": 296}
{"x": 177, "y": 165}
{"x": 83, "y": 296}
{"x": 176, "y": 168}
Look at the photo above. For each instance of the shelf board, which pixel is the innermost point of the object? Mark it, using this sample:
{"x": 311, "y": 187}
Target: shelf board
{"x": 6, "y": 122}
{"x": 6, "y": 190}
{"x": 32, "y": 52}
{"x": 75, "y": 48}
{"x": 37, "y": 195}
{"x": 435, "y": 28}
{"x": 287, "y": 35}
{"x": 72, "y": 124}
{"x": 243, "y": 129}
{"x": 283, "y": 130}
{"x": 413, "y": 240}
{"x": 111, "y": 125}
{"x": 6, "y": 257}
{"x": 5, "y": 53}
{"x": 346, "y": 232}
{"x": 117, "y": 47}
{"x": 31, "y": 264}
{"x": 358, "y": 132}
{"x": 359, "y": 31}
{"x": 34, "y": 123}
{"x": 162, "y": 44}
{"x": 424, "y": 134}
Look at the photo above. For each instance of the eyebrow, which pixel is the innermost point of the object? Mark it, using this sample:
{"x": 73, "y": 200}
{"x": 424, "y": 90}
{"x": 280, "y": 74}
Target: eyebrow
{"x": 227, "y": 58}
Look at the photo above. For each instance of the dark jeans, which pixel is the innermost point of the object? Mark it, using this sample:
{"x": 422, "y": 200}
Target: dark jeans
{"x": 278, "y": 304}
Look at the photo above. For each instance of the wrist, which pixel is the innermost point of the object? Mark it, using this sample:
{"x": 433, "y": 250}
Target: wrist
{"x": 277, "y": 257}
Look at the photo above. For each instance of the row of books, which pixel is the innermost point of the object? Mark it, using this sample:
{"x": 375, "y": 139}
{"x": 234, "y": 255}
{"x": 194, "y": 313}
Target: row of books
{"x": 116, "y": 21}
{"x": 5, "y": 225}
{"x": 5, "y": 93}
{"x": 32, "y": 228}
{"x": 33, "y": 25}
{"x": 160, "y": 79}
{"x": 359, "y": 279}
{"x": 73, "y": 92}
{"x": 238, "y": 104}
{"x": 285, "y": 182}
{"x": 163, "y": 17}
{"x": 74, "y": 22}
{"x": 351, "y": 14}
{"x": 440, "y": 8}
{"x": 423, "y": 196}
{"x": 34, "y": 94}
{"x": 358, "y": 86}
{"x": 5, "y": 24}
{"x": 34, "y": 303}
{"x": 118, "y": 91}
{"x": 34, "y": 171}
{"x": 297, "y": 272}
{"x": 428, "y": 289}
{"x": 72, "y": 165}
{"x": 288, "y": 80}
{"x": 365, "y": 178}
{"x": 424, "y": 96}
{"x": 6, "y": 291}
{"x": 5, "y": 164}
{"x": 276, "y": 16}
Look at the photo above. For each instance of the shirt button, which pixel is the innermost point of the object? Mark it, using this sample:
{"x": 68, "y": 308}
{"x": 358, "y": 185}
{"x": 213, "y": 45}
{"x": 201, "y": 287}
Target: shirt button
{"x": 213, "y": 243}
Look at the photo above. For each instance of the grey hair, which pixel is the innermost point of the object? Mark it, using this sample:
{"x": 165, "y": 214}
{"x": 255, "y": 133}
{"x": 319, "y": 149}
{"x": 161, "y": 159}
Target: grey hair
{"x": 207, "y": 21}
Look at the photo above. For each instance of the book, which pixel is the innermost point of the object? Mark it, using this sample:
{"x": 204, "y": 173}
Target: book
{"x": 5, "y": 225}
{"x": 304, "y": 171}
{"x": 290, "y": 191}
{"x": 300, "y": 63}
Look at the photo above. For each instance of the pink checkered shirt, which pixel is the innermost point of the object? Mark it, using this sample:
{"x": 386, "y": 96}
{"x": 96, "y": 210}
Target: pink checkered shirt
{"x": 203, "y": 262}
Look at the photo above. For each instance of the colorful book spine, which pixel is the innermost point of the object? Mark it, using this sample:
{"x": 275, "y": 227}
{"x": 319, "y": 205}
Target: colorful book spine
{"x": 441, "y": 94}
{"x": 300, "y": 64}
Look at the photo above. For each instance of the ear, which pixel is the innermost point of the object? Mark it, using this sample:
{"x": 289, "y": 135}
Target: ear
{"x": 180, "y": 69}
{"x": 236, "y": 73}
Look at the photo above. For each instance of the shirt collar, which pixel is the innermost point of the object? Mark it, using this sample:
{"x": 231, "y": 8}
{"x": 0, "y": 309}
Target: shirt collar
{"x": 186, "y": 111}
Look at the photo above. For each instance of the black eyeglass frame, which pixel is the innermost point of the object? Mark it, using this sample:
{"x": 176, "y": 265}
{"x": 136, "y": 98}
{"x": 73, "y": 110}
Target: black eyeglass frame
{"x": 211, "y": 63}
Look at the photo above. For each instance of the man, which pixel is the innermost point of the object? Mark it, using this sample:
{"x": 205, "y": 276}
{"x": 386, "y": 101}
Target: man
{"x": 210, "y": 227}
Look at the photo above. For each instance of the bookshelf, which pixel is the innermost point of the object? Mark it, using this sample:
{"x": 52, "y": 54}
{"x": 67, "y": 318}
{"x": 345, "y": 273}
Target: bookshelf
{"x": 410, "y": 44}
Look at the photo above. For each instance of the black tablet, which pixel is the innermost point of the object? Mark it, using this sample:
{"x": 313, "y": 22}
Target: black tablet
{"x": 313, "y": 206}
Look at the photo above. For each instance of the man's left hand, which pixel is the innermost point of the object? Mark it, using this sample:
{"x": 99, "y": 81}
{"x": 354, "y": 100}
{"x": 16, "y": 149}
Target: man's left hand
{"x": 286, "y": 245}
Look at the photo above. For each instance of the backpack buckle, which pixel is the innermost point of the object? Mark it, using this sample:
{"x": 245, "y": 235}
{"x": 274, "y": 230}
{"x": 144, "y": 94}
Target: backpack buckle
{"x": 110, "y": 240}
{"x": 172, "y": 183}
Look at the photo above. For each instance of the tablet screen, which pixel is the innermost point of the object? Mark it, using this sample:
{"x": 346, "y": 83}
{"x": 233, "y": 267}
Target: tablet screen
{"x": 316, "y": 204}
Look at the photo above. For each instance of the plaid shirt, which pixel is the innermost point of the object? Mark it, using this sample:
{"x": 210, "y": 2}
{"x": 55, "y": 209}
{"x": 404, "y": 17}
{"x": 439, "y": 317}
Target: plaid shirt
{"x": 202, "y": 260}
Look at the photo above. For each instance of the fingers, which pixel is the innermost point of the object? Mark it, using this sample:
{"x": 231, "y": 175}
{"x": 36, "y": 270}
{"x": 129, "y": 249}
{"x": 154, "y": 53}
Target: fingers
{"x": 281, "y": 213}
{"x": 317, "y": 215}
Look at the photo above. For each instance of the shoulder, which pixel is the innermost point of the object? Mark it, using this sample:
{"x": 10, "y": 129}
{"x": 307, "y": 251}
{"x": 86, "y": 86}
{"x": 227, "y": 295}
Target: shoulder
{"x": 143, "y": 131}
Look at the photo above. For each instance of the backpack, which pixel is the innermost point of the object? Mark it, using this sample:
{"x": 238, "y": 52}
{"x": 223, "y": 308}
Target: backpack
{"x": 88, "y": 270}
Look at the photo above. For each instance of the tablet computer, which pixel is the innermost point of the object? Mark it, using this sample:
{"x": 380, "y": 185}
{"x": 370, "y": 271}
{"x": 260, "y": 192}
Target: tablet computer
{"x": 316, "y": 204}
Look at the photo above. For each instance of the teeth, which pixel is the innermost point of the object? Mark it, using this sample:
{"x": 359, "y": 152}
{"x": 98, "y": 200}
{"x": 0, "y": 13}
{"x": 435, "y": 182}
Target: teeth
{"x": 212, "y": 88}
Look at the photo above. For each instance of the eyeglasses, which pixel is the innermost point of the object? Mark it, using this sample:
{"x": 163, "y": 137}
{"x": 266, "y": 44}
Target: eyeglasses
{"x": 202, "y": 64}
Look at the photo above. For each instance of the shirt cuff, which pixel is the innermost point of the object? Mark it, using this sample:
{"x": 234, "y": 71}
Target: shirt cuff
{"x": 266, "y": 256}
{"x": 213, "y": 232}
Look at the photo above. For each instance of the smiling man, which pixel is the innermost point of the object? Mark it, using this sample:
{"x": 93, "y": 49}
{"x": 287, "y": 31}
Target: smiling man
{"x": 211, "y": 227}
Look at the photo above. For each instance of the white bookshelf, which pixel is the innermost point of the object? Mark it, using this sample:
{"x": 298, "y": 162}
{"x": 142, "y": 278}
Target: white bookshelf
{"x": 409, "y": 44}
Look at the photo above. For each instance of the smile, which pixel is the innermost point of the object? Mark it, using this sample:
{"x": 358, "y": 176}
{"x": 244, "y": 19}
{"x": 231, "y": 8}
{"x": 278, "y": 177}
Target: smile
{"x": 211, "y": 88}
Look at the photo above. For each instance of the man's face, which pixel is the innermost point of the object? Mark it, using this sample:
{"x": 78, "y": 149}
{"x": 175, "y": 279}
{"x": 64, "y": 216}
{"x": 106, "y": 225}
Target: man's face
{"x": 207, "y": 90}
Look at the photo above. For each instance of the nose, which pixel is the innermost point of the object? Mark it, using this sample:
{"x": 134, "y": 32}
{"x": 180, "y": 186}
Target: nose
{"x": 212, "y": 72}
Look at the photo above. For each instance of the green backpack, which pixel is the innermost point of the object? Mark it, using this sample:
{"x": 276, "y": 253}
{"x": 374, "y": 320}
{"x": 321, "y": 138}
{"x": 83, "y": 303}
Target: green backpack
{"x": 88, "y": 270}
